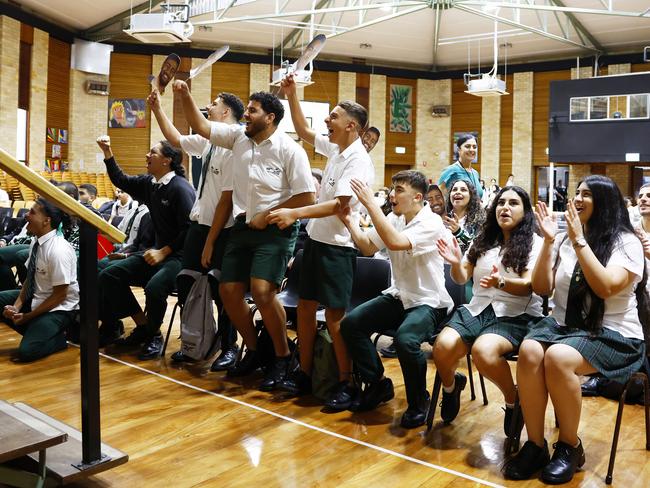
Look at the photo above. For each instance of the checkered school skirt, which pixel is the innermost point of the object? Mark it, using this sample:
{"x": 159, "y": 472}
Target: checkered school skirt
{"x": 514, "y": 329}
{"x": 614, "y": 356}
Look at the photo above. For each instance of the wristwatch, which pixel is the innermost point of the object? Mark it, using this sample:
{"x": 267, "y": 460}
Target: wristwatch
{"x": 580, "y": 242}
{"x": 501, "y": 283}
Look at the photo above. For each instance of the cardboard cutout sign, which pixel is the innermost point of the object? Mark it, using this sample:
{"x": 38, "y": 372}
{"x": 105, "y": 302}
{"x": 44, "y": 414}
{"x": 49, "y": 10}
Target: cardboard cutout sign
{"x": 167, "y": 72}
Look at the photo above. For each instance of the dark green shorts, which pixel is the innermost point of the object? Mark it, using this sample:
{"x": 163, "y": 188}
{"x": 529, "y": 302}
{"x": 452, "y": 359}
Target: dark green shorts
{"x": 260, "y": 254}
{"x": 327, "y": 274}
{"x": 514, "y": 329}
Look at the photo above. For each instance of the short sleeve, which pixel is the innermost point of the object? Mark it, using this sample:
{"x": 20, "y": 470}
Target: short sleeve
{"x": 227, "y": 171}
{"x": 324, "y": 146}
{"x": 194, "y": 144}
{"x": 63, "y": 267}
{"x": 224, "y": 135}
{"x": 628, "y": 254}
{"x": 444, "y": 176}
{"x": 375, "y": 239}
{"x": 425, "y": 235}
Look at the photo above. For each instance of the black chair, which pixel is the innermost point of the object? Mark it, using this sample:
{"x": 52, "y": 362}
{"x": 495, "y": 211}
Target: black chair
{"x": 22, "y": 212}
{"x": 288, "y": 295}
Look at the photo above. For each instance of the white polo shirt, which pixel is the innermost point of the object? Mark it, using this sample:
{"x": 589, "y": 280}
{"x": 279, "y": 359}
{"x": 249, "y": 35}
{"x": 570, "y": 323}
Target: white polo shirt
{"x": 341, "y": 167}
{"x": 56, "y": 264}
{"x": 417, "y": 275}
{"x": 266, "y": 174}
{"x": 620, "y": 310}
{"x": 119, "y": 210}
{"x": 217, "y": 180}
{"x": 135, "y": 215}
{"x": 503, "y": 303}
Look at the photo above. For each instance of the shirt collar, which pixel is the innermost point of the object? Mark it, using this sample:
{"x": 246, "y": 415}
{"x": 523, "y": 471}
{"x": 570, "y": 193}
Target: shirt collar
{"x": 46, "y": 237}
{"x": 165, "y": 179}
{"x": 356, "y": 146}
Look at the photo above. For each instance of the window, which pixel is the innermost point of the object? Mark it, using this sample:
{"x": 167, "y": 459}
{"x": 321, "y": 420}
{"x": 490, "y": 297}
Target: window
{"x": 609, "y": 107}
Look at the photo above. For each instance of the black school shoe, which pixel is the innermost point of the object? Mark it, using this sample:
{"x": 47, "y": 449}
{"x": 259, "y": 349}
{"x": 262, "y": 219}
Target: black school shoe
{"x": 416, "y": 415}
{"x": 248, "y": 365}
{"x": 226, "y": 359}
{"x": 530, "y": 459}
{"x": 151, "y": 349}
{"x": 342, "y": 397}
{"x": 565, "y": 462}
{"x": 110, "y": 333}
{"x": 276, "y": 374}
{"x": 450, "y": 405}
{"x": 374, "y": 394}
{"x": 179, "y": 357}
{"x": 297, "y": 383}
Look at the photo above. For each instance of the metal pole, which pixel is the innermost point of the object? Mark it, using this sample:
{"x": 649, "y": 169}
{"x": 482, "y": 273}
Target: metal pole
{"x": 551, "y": 186}
{"x": 90, "y": 414}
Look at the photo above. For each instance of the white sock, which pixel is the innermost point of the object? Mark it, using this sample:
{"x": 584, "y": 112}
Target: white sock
{"x": 449, "y": 389}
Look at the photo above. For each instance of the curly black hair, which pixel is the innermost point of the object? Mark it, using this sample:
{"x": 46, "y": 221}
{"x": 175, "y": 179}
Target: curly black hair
{"x": 234, "y": 103}
{"x": 270, "y": 104}
{"x": 475, "y": 212}
{"x": 514, "y": 252}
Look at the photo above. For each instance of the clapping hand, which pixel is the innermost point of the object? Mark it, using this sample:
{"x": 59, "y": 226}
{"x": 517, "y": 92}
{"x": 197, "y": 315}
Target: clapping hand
{"x": 450, "y": 253}
{"x": 546, "y": 221}
{"x": 491, "y": 280}
{"x": 574, "y": 226}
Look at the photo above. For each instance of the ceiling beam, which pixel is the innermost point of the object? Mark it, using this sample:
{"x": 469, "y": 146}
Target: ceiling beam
{"x": 525, "y": 27}
{"x": 436, "y": 36}
{"x": 285, "y": 42}
{"x": 577, "y": 25}
{"x": 575, "y": 10}
{"x": 378, "y": 20}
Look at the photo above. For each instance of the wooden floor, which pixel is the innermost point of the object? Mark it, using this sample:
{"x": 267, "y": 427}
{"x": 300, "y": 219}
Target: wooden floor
{"x": 189, "y": 427}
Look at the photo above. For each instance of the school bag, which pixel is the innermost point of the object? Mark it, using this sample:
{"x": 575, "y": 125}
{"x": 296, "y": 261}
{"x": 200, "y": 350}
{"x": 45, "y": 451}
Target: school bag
{"x": 198, "y": 327}
{"x": 325, "y": 370}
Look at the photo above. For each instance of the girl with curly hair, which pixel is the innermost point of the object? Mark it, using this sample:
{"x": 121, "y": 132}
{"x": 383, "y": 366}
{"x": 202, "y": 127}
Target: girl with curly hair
{"x": 465, "y": 214}
{"x": 597, "y": 273}
{"x": 497, "y": 318}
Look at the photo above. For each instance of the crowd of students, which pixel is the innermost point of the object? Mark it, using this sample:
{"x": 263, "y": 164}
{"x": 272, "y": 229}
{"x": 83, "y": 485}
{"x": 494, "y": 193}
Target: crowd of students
{"x": 256, "y": 186}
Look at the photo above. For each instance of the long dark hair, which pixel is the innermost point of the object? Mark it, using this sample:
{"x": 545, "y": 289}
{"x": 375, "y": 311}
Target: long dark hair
{"x": 609, "y": 220}
{"x": 56, "y": 215}
{"x": 175, "y": 155}
{"x": 514, "y": 252}
{"x": 475, "y": 214}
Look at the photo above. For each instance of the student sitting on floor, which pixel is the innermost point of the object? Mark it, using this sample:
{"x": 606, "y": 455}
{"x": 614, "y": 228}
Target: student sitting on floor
{"x": 495, "y": 321}
{"x": 416, "y": 302}
{"x": 598, "y": 273}
{"x": 45, "y": 306}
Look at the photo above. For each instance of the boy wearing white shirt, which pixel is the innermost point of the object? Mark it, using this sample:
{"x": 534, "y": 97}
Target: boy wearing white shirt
{"x": 270, "y": 171}
{"x": 415, "y": 303}
{"x": 329, "y": 258}
{"x": 211, "y": 216}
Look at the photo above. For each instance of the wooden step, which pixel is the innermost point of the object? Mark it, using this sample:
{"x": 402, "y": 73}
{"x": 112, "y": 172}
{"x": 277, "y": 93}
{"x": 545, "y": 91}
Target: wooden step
{"x": 63, "y": 459}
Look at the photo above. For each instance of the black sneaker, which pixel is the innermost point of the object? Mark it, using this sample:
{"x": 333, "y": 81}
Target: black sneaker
{"x": 341, "y": 398}
{"x": 248, "y": 364}
{"x": 507, "y": 421}
{"x": 179, "y": 357}
{"x": 297, "y": 383}
{"x": 416, "y": 415}
{"x": 376, "y": 393}
{"x": 389, "y": 351}
{"x": 226, "y": 359}
{"x": 530, "y": 459}
{"x": 565, "y": 462}
{"x": 275, "y": 374}
{"x": 136, "y": 338}
{"x": 152, "y": 348}
{"x": 450, "y": 405}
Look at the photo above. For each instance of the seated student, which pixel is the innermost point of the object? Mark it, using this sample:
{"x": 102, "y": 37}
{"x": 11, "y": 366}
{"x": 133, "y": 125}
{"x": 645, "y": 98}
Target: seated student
{"x": 87, "y": 195}
{"x": 123, "y": 204}
{"x": 416, "y": 302}
{"x": 145, "y": 239}
{"x": 130, "y": 225}
{"x": 45, "y": 306}
{"x": 169, "y": 197}
{"x": 465, "y": 214}
{"x": 502, "y": 308}
{"x": 330, "y": 258}
{"x": 600, "y": 300}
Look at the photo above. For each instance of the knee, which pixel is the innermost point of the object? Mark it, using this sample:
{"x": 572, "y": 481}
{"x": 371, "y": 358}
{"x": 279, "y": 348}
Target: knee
{"x": 444, "y": 346}
{"x": 348, "y": 327}
{"x": 406, "y": 343}
{"x": 483, "y": 355}
{"x": 531, "y": 355}
{"x": 556, "y": 363}
{"x": 262, "y": 295}
{"x": 156, "y": 291}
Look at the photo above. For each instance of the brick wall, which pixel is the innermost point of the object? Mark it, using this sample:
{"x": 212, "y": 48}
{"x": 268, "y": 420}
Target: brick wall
{"x": 9, "y": 59}
{"x": 377, "y": 116}
{"x": 38, "y": 99}
{"x": 522, "y": 131}
{"x": 433, "y": 133}
{"x": 490, "y": 137}
{"x": 347, "y": 86}
{"x": 259, "y": 77}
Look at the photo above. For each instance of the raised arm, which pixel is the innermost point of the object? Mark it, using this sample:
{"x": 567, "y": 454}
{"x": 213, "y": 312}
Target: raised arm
{"x": 133, "y": 185}
{"x": 198, "y": 123}
{"x": 461, "y": 271}
{"x": 170, "y": 132}
{"x": 299, "y": 121}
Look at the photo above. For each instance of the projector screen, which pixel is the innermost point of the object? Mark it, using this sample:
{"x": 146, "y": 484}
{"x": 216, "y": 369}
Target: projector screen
{"x": 315, "y": 113}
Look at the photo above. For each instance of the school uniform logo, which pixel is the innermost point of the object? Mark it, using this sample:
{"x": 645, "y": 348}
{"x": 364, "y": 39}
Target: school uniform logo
{"x": 164, "y": 202}
{"x": 331, "y": 182}
{"x": 273, "y": 170}
{"x": 216, "y": 171}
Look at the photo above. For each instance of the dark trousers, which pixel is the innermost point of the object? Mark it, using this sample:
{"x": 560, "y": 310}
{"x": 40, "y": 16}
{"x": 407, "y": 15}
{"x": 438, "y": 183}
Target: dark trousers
{"x": 414, "y": 326}
{"x": 10, "y": 256}
{"x": 192, "y": 250}
{"x": 43, "y": 335}
{"x": 115, "y": 296}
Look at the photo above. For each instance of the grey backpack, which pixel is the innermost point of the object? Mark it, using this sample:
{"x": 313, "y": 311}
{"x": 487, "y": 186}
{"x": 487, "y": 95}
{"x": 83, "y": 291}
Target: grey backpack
{"x": 198, "y": 327}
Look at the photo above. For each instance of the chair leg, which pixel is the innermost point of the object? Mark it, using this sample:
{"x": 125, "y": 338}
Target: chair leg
{"x": 470, "y": 373}
{"x": 435, "y": 393}
{"x": 646, "y": 402}
{"x": 512, "y": 443}
{"x": 483, "y": 392}
{"x": 617, "y": 430}
{"x": 169, "y": 328}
